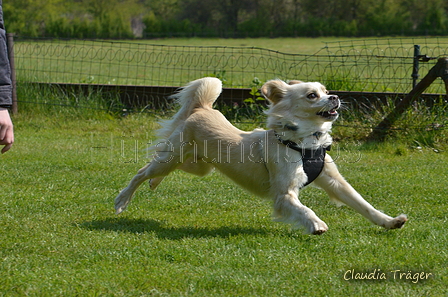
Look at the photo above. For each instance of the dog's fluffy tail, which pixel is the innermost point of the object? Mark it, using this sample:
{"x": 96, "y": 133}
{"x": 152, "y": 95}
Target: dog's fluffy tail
{"x": 200, "y": 93}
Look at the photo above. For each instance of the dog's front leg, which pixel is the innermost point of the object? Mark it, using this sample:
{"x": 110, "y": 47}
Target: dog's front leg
{"x": 288, "y": 209}
{"x": 341, "y": 191}
{"x": 285, "y": 179}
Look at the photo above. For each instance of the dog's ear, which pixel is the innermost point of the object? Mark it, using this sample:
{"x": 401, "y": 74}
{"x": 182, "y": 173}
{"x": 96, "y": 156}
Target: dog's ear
{"x": 274, "y": 90}
{"x": 294, "y": 82}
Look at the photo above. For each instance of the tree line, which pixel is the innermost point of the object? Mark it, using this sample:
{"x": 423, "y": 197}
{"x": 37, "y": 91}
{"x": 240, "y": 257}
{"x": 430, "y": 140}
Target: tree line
{"x": 224, "y": 18}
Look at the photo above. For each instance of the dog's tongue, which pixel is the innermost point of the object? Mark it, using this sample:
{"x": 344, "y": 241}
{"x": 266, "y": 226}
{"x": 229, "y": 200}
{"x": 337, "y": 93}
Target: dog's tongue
{"x": 328, "y": 113}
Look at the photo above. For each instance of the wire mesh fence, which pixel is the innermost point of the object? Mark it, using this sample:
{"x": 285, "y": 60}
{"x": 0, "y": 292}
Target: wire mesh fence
{"x": 386, "y": 65}
{"x": 370, "y": 75}
{"x": 373, "y": 65}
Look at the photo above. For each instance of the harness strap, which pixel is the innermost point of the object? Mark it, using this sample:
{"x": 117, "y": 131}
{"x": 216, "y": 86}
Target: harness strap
{"x": 313, "y": 163}
{"x": 313, "y": 160}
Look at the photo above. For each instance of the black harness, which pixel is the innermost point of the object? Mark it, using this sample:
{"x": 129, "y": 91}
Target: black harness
{"x": 312, "y": 159}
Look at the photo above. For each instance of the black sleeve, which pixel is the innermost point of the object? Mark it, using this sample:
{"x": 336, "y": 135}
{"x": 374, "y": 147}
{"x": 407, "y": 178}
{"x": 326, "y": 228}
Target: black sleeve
{"x": 5, "y": 69}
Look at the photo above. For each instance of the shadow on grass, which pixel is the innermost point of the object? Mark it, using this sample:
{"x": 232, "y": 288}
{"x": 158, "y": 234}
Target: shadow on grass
{"x": 167, "y": 232}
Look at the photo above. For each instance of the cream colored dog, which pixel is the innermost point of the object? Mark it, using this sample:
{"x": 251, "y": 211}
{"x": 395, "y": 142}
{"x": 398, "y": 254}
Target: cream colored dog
{"x": 275, "y": 163}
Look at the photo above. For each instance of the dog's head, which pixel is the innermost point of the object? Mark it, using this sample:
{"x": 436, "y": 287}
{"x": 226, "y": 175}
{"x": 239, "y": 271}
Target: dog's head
{"x": 301, "y": 109}
{"x": 305, "y": 100}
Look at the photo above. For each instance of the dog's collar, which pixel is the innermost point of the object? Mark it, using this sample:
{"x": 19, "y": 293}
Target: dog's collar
{"x": 295, "y": 128}
{"x": 293, "y": 145}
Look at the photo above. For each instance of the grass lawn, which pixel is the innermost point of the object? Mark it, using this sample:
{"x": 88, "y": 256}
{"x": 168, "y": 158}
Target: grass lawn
{"x": 194, "y": 236}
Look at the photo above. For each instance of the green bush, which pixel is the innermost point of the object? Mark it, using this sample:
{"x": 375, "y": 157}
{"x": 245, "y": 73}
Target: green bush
{"x": 213, "y": 18}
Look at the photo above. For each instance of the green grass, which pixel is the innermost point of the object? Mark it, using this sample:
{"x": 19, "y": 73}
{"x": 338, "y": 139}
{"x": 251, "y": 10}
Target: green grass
{"x": 194, "y": 236}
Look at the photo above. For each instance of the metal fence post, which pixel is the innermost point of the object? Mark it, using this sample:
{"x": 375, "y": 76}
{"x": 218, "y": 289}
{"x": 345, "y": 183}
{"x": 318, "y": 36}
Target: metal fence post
{"x": 10, "y": 44}
{"x": 415, "y": 65}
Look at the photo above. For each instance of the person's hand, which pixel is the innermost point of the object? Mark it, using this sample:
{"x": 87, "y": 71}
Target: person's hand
{"x": 6, "y": 130}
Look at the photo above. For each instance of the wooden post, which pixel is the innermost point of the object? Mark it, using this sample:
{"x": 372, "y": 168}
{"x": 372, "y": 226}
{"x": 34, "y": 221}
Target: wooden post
{"x": 446, "y": 86}
{"x": 439, "y": 70}
{"x": 10, "y": 42}
{"x": 444, "y": 76}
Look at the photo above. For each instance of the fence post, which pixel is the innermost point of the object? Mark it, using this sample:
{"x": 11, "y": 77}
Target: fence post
{"x": 10, "y": 44}
{"x": 415, "y": 65}
{"x": 438, "y": 70}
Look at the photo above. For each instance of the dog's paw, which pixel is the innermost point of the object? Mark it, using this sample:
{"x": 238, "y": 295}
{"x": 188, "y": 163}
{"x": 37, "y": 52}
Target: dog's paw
{"x": 397, "y": 222}
{"x": 121, "y": 202}
{"x": 154, "y": 182}
{"x": 319, "y": 228}
{"x": 119, "y": 208}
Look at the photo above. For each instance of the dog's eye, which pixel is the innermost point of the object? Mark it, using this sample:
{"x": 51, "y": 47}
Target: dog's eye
{"x": 312, "y": 96}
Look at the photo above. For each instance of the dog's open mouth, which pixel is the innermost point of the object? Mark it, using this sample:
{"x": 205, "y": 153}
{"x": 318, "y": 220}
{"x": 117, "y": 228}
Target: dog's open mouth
{"x": 329, "y": 114}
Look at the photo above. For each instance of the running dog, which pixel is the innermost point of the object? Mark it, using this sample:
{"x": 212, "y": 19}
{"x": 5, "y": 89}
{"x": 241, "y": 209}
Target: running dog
{"x": 273, "y": 163}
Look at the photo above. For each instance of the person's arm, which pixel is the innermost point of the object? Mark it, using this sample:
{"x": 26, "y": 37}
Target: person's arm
{"x": 5, "y": 69}
{"x": 6, "y": 127}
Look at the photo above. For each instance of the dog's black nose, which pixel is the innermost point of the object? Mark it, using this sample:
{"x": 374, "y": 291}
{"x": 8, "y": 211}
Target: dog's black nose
{"x": 333, "y": 97}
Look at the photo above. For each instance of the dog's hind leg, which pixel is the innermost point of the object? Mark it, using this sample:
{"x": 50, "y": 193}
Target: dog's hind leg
{"x": 198, "y": 168}
{"x": 189, "y": 166}
{"x": 154, "y": 182}
{"x": 154, "y": 170}
{"x": 341, "y": 191}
